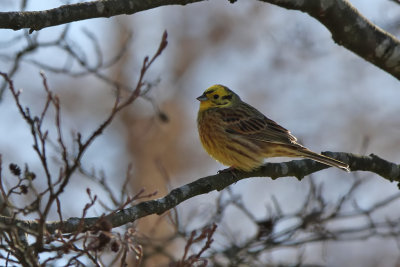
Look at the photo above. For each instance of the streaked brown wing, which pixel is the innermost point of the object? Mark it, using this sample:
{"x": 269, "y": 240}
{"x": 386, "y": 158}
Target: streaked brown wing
{"x": 248, "y": 121}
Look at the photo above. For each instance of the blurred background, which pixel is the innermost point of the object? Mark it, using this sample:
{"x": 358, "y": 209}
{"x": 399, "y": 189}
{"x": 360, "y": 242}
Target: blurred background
{"x": 282, "y": 62}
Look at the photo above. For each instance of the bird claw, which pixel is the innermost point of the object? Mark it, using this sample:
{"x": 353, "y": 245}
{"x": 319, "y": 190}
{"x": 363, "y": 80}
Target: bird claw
{"x": 230, "y": 170}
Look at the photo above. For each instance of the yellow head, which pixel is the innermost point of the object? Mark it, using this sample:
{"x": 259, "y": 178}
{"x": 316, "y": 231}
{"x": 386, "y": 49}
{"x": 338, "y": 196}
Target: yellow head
{"x": 218, "y": 96}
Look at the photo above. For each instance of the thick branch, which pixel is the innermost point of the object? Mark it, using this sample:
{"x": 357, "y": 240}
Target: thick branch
{"x": 349, "y": 28}
{"x": 295, "y": 168}
{"x": 37, "y": 20}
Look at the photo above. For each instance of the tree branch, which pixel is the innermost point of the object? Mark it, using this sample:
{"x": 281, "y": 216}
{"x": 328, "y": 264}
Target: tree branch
{"x": 348, "y": 27}
{"x": 295, "y": 168}
{"x": 37, "y": 20}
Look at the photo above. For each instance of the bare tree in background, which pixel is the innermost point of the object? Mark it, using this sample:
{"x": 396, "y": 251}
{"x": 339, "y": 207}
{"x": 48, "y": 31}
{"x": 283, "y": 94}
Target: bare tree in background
{"x": 32, "y": 237}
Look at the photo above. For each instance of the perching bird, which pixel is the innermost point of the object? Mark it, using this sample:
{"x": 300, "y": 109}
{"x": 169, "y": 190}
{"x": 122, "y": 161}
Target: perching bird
{"x": 238, "y": 135}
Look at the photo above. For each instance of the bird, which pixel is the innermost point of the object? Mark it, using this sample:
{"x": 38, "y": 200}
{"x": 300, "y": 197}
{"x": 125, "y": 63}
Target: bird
{"x": 239, "y": 136}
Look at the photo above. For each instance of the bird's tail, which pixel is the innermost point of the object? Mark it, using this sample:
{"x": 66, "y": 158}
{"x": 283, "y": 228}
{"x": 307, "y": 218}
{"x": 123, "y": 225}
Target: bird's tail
{"x": 325, "y": 160}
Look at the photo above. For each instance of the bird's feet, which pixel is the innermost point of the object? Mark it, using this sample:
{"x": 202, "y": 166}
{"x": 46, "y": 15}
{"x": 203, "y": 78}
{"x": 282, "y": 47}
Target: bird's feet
{"x": 231, "y": 170}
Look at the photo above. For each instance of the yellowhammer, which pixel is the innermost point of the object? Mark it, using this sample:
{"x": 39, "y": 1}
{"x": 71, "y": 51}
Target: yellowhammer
{"x": 238, "y": 135}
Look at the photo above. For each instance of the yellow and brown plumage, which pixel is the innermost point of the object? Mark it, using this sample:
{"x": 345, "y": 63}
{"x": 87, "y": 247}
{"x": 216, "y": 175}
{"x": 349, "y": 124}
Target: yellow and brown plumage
{"x": 238, "y": 135}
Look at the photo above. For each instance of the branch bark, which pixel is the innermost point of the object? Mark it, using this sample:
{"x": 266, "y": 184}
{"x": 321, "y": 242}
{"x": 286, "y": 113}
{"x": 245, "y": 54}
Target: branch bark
{"x": 37, "y": 20}
{"x": 349, "y": 28}
{"x": 296, "y": 168}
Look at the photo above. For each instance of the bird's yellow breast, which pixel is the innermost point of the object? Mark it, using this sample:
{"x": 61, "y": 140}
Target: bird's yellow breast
{"x": 226, "y": 148}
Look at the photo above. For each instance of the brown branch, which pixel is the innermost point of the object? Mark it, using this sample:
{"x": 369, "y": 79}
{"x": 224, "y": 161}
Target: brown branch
{"x": 69, "y": 166}
{"x": 295, "y": 168}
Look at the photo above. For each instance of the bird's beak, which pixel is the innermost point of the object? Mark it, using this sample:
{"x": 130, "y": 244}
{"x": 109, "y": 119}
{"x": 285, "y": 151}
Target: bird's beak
{"x": 202, "y": 98}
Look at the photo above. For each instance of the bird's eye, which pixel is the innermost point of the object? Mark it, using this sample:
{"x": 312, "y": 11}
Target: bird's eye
{"x": 216, "y": 96}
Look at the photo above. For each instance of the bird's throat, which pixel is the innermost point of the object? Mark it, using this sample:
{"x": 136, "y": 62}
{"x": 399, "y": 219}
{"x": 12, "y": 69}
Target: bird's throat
{"x": 204, "y": 105}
